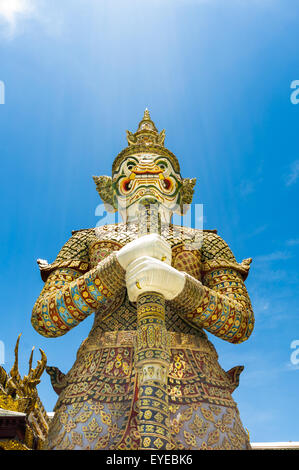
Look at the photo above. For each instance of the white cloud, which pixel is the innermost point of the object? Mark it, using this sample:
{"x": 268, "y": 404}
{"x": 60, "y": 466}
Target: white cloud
{"x": 293, "y": 175}
{"x": 275, "y": 256}
{"x": 293, "y": 242}
{"x": 250, "y": 186}
{"x": 256, "y": 231}
{"x": 246, "y": 187}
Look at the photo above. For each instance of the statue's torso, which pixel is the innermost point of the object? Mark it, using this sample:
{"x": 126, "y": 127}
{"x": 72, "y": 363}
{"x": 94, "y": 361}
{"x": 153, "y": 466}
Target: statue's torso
{"x": 103, "y": 377}
{"x": 111, "y": 339}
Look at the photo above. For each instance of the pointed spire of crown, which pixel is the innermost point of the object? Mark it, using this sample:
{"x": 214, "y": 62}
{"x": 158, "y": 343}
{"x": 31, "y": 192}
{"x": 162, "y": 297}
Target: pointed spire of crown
{"x": 146, "y": 122}
{"x": 146, "y": 114}
{"x": 147, "y": 133}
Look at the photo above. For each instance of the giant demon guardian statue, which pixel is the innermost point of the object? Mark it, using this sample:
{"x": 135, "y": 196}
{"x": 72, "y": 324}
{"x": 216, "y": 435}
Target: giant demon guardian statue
{"x": 147, "y": 377}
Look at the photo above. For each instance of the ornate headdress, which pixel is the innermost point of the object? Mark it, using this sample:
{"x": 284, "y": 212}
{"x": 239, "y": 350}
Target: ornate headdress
{"x": 145, "y": 139}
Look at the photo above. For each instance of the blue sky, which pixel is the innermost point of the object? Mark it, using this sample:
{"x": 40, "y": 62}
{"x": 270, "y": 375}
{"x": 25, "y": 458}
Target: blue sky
{"x": 216, "y": 75}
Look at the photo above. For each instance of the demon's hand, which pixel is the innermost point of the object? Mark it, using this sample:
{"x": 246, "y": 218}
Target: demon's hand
{"x": 147, "y": 274}
{"x": 152, "y": 245}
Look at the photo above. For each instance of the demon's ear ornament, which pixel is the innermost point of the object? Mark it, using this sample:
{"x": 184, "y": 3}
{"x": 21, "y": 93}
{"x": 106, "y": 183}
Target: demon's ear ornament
{"x": 105, "y": 190}
{"x": 187, "y": 192}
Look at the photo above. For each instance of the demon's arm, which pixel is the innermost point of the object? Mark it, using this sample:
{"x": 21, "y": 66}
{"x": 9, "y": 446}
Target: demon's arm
{"x": 72, "y": 291}
{"x": 220, "y": 303}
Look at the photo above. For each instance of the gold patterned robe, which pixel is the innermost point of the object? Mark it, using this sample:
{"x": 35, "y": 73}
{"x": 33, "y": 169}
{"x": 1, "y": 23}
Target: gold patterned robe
{"x": 97, "y": 406}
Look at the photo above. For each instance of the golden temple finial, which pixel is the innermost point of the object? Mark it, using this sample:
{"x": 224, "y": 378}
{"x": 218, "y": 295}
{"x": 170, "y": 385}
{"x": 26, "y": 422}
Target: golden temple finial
{"x": 14, "y": 373}
{"x": 19, "y": 397}
{"x": 30, "y": 360}
{"x": 26, "y": 387}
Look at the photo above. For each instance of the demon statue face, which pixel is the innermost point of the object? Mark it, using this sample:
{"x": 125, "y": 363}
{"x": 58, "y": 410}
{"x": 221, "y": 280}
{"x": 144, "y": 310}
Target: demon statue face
{"x": 145, "y": 169}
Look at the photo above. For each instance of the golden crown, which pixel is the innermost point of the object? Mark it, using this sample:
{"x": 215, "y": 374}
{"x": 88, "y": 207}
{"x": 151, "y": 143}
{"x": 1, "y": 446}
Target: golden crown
{"x": 146, "y": 139}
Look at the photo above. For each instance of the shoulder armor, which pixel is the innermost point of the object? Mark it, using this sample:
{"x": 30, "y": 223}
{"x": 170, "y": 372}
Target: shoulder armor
{"x": 74, "y": 254}
{"x": 213, "y": 246}
{"x": 216, "y": 254}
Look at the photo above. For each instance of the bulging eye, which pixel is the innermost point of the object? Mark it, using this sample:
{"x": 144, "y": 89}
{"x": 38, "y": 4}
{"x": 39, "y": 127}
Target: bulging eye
{"x": 162, "y": 165}
{"x": 167, "y": 183}
{"x": 130, "y": 165}
{"x": 126, "y": 185}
